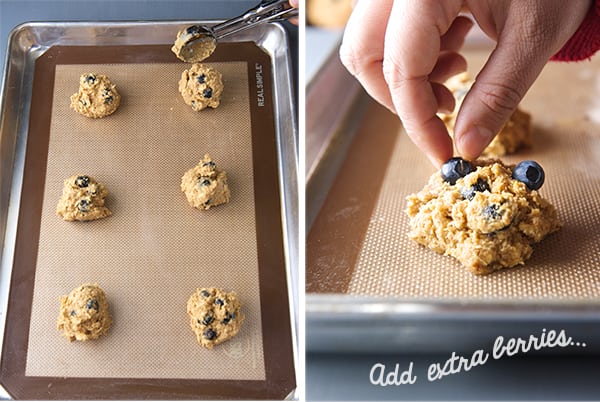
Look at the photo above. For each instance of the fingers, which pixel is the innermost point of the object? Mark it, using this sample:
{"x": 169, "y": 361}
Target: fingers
{"x": 362, "y": 48}
{"x": 408, "y": 63}
{"x": 448, "y": 65}
{"x": 455, "y": 37}
{"x": 530, "y": 33}
{"x": 444, "y": 98}
{"x": 498, "y": 89}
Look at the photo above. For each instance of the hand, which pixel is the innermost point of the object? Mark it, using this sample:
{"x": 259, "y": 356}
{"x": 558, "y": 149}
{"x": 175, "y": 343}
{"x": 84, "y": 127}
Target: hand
{"x": 294, "y": 4}
{"x": 403, "y": 50}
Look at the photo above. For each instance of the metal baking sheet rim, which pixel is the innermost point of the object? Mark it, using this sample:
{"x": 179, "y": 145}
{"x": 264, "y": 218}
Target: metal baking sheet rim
{"x": 341, "y": 323}
{"x": 29, "y": 41}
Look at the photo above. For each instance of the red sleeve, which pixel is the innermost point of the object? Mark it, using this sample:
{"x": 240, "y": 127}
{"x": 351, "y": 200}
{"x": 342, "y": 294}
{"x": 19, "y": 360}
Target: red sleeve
{"x": 585, "y": 41}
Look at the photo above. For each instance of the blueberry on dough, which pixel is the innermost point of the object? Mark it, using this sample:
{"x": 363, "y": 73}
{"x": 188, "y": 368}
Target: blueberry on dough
{"x": 530, "y": 173}
{"x": 92, "y": 304}
{"x": 205, "y": 293}
{"x": 202, "y": 181}
{"x": 193, "y": 30}
{"x": 210, "y": 334}
{"x": 84, "y": 205}
{"x": 492, "y": 212}
{"x": 454, "y": 169}
{"x": 207, "y": 93}
{"x": 82, "y": 181}
{"x": 207, "y": 319}
{"x": 479, "y": 187}
{"x": 201, "y": 78}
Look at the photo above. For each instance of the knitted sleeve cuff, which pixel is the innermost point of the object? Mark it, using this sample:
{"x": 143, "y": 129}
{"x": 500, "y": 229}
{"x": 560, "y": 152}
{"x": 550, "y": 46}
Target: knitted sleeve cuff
{"x": 585, "y": 41}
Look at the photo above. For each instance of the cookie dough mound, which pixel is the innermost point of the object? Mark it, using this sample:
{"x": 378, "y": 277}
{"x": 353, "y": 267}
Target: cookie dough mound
{"x": 84, "y": 313}
{"x": 215, "y": 316}
{"x": 97, "y": 96}
{"x": 200, "y": 47}
{"x": 487, "y": 220}
{"x": 82, "y": 199}
{"x": 201, "y": 87}
{"x": 515, "y": 134}
{"x": 205, "y": 185}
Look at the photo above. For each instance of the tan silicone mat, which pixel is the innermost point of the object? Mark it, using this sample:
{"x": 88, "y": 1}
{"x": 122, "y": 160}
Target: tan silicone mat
{"x": 153, "y": 252}
{"x": 565, "y": 106}
{"x": 155, "y": 249}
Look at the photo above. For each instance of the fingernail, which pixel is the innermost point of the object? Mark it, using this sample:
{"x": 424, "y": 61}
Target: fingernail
{"x": 294, "y": 3}
{"x": 443, "y": 109}
{"x": 471, "y": 143}
{"x": 435, "y": 161}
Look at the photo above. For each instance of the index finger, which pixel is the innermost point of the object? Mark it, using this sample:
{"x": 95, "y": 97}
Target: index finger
{"x": 412, "y": 48}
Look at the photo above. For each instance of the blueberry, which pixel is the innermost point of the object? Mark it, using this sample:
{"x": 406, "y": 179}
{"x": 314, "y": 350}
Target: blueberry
{"x": 193, "y": 30}
{"x": 219, "y": 302}
{"x": 210, "y": 334}
{"x": 203, "y": 181}
{"x": 108, "y": 99}
{"x": 210, "y": 164}
{"x": 455, "y": 168}
{"x": 207, "y": 93}
{"x": 201, "y": 79}
{"x": 92, "y": 304}
{"x": 207, "y": 319}
{"x": 72, "y": 313}
{"x": 90, "y": 79}
{"x": 84, "y": 205}
{"x": 480, "y": 186}
{"x": 530, "y": 173}
{"x": 491, "y": 212}
{"x": 205, "y": 293}
{"x": 82, "y": 181}
{"x": 228, "y": 317}
{"x": 207, "y": 202}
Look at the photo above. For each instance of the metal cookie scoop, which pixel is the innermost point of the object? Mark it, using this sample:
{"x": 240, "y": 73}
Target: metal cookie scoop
{"x": 197, "y": 42}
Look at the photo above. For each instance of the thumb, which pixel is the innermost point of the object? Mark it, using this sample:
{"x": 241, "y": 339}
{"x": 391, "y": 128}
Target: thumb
{"x": 503, "y": 81}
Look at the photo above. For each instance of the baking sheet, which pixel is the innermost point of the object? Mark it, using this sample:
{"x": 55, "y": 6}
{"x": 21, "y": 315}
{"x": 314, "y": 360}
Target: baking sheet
{"x": 358, "y": 243}
{"x": 361, "y": 284}
{"x": 154, "y": 250}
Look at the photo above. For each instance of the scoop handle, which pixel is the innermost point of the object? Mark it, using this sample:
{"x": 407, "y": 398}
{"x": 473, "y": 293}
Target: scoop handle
{"x": 266, "y": 11}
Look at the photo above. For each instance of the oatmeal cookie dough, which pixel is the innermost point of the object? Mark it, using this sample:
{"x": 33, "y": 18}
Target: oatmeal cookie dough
{"x": 515, "y": 134}
{"x": 97, "y": 96}
{"x": 215, "y": 316}
{"x": 481, "y": 215}
{"x": 84, "y": 313}
{"x": 205, "y": 185}
{"x": 198, "y": 49}
{"x": 82, "y": 199}
{"x": 201, "y": 87}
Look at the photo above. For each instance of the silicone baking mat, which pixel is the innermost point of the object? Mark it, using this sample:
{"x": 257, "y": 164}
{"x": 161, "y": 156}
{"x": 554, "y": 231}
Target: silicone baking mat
{"x": 358, "y": 244}
{"x": 155, "y": 249}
